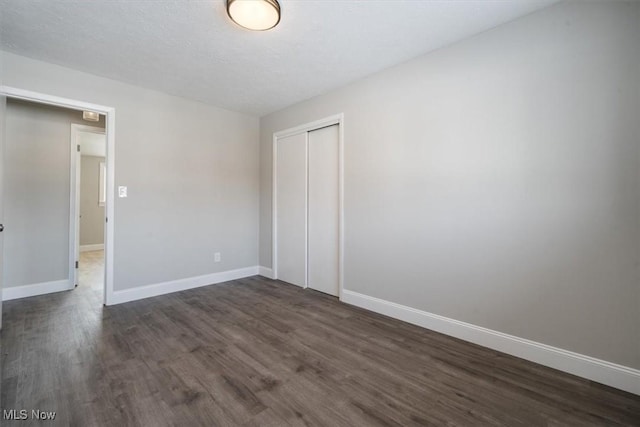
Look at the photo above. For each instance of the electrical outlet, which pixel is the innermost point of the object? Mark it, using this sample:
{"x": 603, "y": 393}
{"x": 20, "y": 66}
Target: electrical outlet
{"x": 216, "y": 257}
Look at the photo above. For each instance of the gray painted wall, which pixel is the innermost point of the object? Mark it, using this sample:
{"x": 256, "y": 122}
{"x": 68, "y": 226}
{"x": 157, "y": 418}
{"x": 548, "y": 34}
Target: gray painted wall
{"x": 92, "y": 214}
{"x": 36, "y": 196}
{"x": 191, "y": 171}
{"x": 497, "y": 181}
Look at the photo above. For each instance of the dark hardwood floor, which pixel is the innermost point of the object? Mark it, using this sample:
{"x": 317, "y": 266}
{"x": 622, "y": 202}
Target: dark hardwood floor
{"x": 257, "y": 352}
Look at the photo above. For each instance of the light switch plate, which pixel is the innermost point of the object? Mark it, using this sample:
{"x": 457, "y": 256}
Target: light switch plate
{"x": 122, "y": 191}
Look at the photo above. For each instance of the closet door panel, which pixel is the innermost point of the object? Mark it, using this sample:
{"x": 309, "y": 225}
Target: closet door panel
{"x": 324, "y": 210}
{"x": 291, "y": 215}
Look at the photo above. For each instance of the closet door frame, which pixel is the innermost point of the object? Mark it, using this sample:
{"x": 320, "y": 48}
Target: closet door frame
{"x": 337, "y": 119}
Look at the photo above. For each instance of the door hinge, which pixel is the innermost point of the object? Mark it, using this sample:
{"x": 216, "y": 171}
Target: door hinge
{"x": 78, "y": 148}
{"x": 106, "y": 219}
{"x": 76, "y": 264}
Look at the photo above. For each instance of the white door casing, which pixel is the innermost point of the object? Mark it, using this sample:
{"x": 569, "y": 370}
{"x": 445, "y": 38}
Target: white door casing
{"x": 110, "y": 114}
{"x": 74, "y": 207}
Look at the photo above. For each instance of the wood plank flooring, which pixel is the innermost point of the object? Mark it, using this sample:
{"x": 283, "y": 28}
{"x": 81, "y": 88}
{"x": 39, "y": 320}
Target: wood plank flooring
{"x": 257, "y": 352}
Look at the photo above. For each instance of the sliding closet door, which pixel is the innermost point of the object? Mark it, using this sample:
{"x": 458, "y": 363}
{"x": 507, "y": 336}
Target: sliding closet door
{"x": 291, "y": 215}
{"x": 323, "y": 210}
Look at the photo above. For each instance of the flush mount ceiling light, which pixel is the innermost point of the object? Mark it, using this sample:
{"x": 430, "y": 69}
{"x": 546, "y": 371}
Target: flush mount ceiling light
{"x": 256, "y": 15}
{"x": 91, "y": 116}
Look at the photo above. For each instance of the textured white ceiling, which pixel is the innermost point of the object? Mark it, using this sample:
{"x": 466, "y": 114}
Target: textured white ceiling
{"x": 191, "y": 48}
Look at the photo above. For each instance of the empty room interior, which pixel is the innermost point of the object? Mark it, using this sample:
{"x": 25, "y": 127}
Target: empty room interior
{"x": 327, "y": 213}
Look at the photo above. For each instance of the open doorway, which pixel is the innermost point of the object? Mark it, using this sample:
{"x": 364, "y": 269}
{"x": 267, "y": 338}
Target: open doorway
{"x": 88, "y": 189}
{"x": 42, "y": 234}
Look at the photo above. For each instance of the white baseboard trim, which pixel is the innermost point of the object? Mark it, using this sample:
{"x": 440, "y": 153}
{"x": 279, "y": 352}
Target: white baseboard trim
{"x": 24, "y": 291}
{"x": 89, "y": 248}
{"x": 611, "y": 374}
{"x": 265, "y": 272}
{"x": 157, "y": 289}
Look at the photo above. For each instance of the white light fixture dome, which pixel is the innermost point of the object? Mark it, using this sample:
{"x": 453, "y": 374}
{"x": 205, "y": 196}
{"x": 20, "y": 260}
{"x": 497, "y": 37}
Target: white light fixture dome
{"x": 256, "y": 15}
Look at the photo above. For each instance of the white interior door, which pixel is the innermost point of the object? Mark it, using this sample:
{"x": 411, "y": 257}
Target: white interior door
{"x": 324, "y": 210}
{"x": 291, "y": 209}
